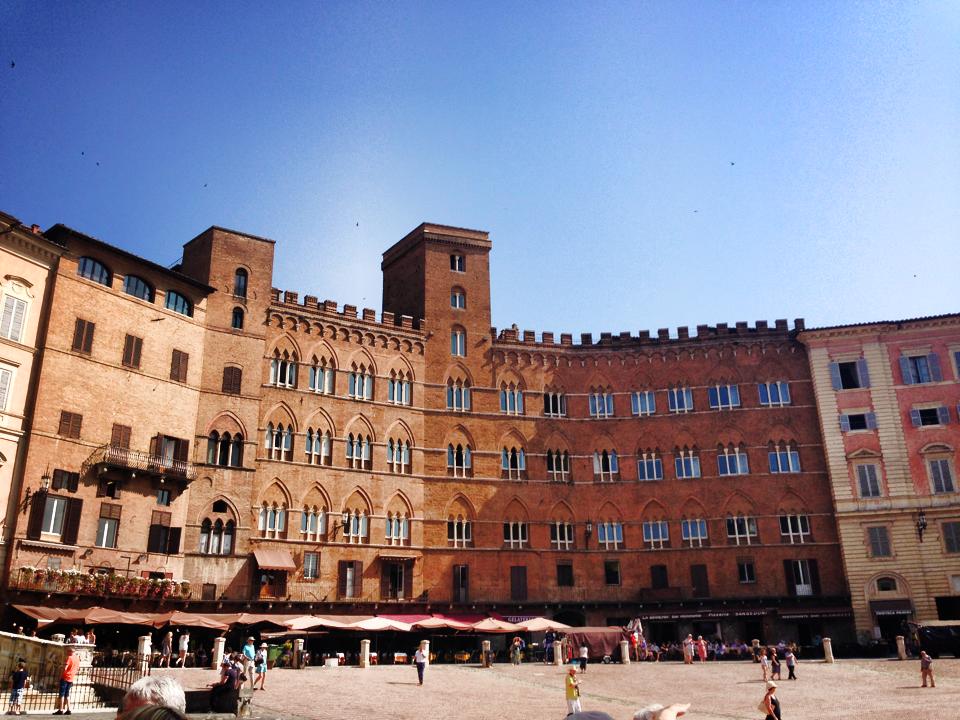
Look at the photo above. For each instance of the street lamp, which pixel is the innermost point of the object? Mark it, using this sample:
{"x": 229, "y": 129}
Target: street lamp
{"x": 921, "y": 524}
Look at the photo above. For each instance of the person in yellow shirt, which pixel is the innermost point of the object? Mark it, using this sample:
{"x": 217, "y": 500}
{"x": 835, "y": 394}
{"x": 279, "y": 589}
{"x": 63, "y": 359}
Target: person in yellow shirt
{"x": 573, "y": 691}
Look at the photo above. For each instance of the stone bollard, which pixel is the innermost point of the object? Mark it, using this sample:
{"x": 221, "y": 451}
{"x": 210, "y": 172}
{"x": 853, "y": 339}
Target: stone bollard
{"x": 901, "y": 648}
{"x": 144, "y": 653}
{"x": 485, "y": 654}
{"x": 364, "y": 653}
{"x": 624, "y": 652}
{"x": 298, "y": 653}
{"x": 559, "y": 652}
{"x": 218, "y": 648}
{"x": 827, "y": 650}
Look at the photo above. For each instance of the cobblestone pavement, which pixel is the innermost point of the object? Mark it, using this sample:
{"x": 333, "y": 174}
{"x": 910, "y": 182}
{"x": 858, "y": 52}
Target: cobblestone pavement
{"x": 861, "y": 689}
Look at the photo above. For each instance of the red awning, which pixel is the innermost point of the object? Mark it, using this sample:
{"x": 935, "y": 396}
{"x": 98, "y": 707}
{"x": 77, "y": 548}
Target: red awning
{"x": 274, "y": 560}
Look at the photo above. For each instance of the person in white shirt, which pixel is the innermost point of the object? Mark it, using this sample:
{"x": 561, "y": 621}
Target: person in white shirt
{"x": 184, "y": 647}
{"x": 584, "y": 654}
{"x": 420, "y": 658}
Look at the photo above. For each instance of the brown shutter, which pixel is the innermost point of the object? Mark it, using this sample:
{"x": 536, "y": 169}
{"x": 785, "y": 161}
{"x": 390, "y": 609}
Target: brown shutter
{"x": 408, "y": 580}
{"x": 181, "y": 449}
{"x": 75, "y": 421}
{"x": 341, "y": 576}
{"x": 155, "y": 445}
{"x": 35, "y": 522}
{"x": 173, "y": 541}
{"x": 73, "y": 481}
{"x": 64, "y": 428}
{"x": 814, "y": 576}
{"x": 357, "y": 579}
{"x": 78, "y": 332}
{"x": 791, "y": 581}
{"x": 128, "y": 343}
{"x": 227, "y": 380}
{"x": 155, "y": 539}
{"x": 71, "y": 521}
{"x": 384, "y": 579}
{"x": 88, "y": 337}
{"x": 178, "y": 366}
{"x": 120, "y": 436}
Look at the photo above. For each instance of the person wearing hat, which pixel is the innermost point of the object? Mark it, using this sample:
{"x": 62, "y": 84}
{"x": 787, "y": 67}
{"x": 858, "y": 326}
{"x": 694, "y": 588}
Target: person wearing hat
{"x": 249, "y": 655}
{"x": 260, "y": 666}
{"x": 770, "y": 703}
{"x": 573, "y": 691}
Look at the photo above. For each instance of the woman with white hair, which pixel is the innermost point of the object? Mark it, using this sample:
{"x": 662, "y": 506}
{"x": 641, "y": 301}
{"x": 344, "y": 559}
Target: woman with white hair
{"x": 659, "y": 712}
{"x": 153, "y": 690}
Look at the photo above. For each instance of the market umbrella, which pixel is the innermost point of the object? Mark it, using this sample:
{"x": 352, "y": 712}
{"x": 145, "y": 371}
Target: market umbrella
{"x": 439, "y": 621}
{"x": 309, "y": 622}
{"x": 492, "y": 625}
{"x": 381, "y": 623}
{"x": 542, "y": 624}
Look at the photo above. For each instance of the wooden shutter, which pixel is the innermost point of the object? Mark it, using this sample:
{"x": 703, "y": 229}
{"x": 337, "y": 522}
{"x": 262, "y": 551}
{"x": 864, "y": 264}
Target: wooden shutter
{"x": 155, "y": 539}
{"x": 73, "y": 481}
{"x": 863, "y": 373}
{"x": 871, "y": 421}
{"x": 933, "y": 362}
{"x": 814, "y": 576}
{"x": 181, "y": 449}
{"x": 844, "y": 423}
{"x": 35, "y": 522}
{"x": 173, "y": 541}
{"x": 915, "y": 418}
{"x": 943, "y": 415}
{"x": 71, "y": 521}
{"x": 408, "y": 580}
{"x": 78, "y": 330}
{"x": 132, "y": 346}
{"x": 178, "y": 366}
{"x": 791, "y": 580}
{"x": 835, "y": 376}
{"x": 120, "y": 436}
{"x": 155, "y": 445}
{"x": 384, "y": 580}
{"x": 518, "y": 582}
{"x": 64, "y": 427}
{"x": 906, "y": 371}
{"x": 342, "y": 578}
{"x": 455, "y": 596}
{"x": 231, "y": 380}
{"x": 699, "y": 580}
{"x": 357, "y": 579}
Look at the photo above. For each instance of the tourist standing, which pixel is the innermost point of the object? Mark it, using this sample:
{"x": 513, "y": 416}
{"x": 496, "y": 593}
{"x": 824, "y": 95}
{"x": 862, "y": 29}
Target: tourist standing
{"x": 420, "y": 658}
{"x": 584, "y": 655}
{"x": 701, "y": 648}
{"x": 548, "y": 640}
{"x": 249, "y": 655}
{"x": 926, "y": 669}
{"x": 166, "y": 649}
{"x": 67, "y": 677}
{"x": 19, "y": 680}
{"x": 774, "y": 665}
{"x": 260, "y": 666}
{"x": 688, "y": 650}
{"x": 516, "y": 649}
{"x": 184, "y": 647}
{"x": 770, "y": 703}
{"x": 573, "y": 691}
{"x": 764, "y": 664}
{"x": 791, "y": 661}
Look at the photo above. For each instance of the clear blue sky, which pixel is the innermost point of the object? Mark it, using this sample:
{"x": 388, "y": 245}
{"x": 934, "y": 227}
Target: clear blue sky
{"x": 593, "y": 140}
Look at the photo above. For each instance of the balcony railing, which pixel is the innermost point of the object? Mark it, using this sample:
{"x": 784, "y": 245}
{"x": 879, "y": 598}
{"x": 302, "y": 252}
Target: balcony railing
{"x": 137, "y": 461}
{"x": 76, "y": 583}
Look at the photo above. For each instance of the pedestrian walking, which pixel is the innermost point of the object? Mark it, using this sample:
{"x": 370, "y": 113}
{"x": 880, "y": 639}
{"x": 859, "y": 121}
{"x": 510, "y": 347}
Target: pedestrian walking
{"x": 791, "y": 661}
{"x": 573, "y": 691}
{"x": 19, "y": 682}
{"x": 184, "y": 647}
{"x": 516, "y": 650}
{"x": 166, "y": 649}
{"x": 67, "y": 677}
{"x": 420, "y": 658}
{"x": 584, "y": 654}
{"x": 774, "y": 665}
{"x": 260, "y": 666}
{"x": 770, "y": 703}
{"x": 688, "y": 650}
{"x": 926, "y": 669}
{"x": 764, "y": 664}
{"x": 249, "y": 655}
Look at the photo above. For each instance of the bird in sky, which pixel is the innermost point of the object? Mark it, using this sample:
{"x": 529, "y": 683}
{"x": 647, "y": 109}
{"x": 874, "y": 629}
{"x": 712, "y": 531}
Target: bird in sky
{"x": 732, "y": 163}
{"x": 12, "y": 64}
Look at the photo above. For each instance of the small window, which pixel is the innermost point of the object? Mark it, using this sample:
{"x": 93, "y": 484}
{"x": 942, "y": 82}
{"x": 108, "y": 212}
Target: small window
{"x": 868, "y": 481}
{"x": 70, "y": 424}
{"x": 564, "y": 575}
{"x": 311, "y": 565}
{"x": 138, "y": 287}
{"x": 458, "y": 263}
{"x": 851, "y": 422}
{"x": 13, "y": 318}
{"x": 178, "y": 303}
{"x": 458, "y": 342}
{"x": 940, "y": 474}
{"x": 746, "y": 572}
{"x": 83, "y": 336}
{"x": 724, "y": 397}
{"x": 886, "y": 584}
{"x": 120, "y": 436}
{"x": 925, "y": 417}
{"x": 132, "y": 349}
{"x": 240, "y": 283}
{"x": 920, "y": 369}
{"x": 658, "y": 577}
{"x": 236, "y": 320}
{"x": 643, "y": 403}
{"x": 108, "y": 526}
{"x": 6, "y": 382}
{"x": 179, "y": 362}
{"x": 680, "y": 399}
{"x": 554, "y": 404}
{"x": 163, "y": 497}
{"x": 879, "y": 539}
{"x": 94, "y": 270}
{"x": 951, "y": 537}
{"x": 611, "y": 572}
{"x": 774, "y": 393}
{"x": 232, "y": 379}
{"x": 458, "y": 299}
{"x": 849, "y": 375}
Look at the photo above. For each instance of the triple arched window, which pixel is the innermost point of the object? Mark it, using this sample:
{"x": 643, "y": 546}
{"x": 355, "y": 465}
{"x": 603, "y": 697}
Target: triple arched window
{"x": 313, "y": 523}
{"x": 458, "y": 395}
{"x": 399, "y": 388}
{"x": 359, "y": 451}
{"x": 513, "y": 463}
{"x": 606, "y": 468}
{"x": 225, "y": 449}
{"x": 686, "y": 462}
{"x": 360, "y": 382}
{"x": 783, "y": 457}
{"x": 319, "y": 447}
{"x": 732, "y": 460}
{"x": 397, "y": 529}
{"x": 321, "y": 376}
{"x": 94, "y": 270}
{"x": 356, "y": 526}
{"x": 272, "y": 522}
{"x": 398, "y": 456}
{"x": 558, "y": 465}
{"x": 279, "y": 442}
{"x": 283, "y": 369}
{"x": 511, "y": 399}
{"x": 601, "y": 402}
{"x": 459, "y": 463}
{"x": 217, "y": 537}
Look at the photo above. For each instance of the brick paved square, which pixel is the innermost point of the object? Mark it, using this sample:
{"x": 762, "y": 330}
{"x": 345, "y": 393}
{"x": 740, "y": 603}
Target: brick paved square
{"x": 862, "y": 689}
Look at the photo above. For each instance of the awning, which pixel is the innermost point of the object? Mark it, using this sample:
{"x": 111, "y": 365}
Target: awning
{"x": 891, "y": 607}
{"x": 274, "y": 560}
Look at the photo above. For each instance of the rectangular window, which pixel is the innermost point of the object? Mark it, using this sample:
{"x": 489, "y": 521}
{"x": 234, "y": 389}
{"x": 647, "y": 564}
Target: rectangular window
{"x": 564, "y": 574}
{"x": 120, "y": 436}
{"x": 6, "y": 381}
{"x": 70, "y": 424}
{"x": 13, "y": 318}
{"x": 658, "y": 577}
{"x": 132, "y": 347}
{"x": 745, "y": 571}
{"x": 518, "y": 582}
{"x": 775, "y": 393}
{"x": 643, "y": 403}
{"x": 858, "y": 421}
{"x": 514, "y": 534}
{"x": 741, "y": 530}
{"x": 794, "y": 529}
{"x": 53, "y": 515}
{"x": 461, "y": 583}
{"x": 611, "y": 572}
{"x": 694, "y": 532}
{"x": 802, "y": 577}
{"x": 458, "y": 263}
{"x": 83, "y": 336}
{"x": 924, "y": 417}
{"x": 554, "y": 404}
{"x": 680, "y": 399}
{"x": 606, "y": 467}
{"x": 311, "y": 565}
{"x": 349, "y": 579}
{"x": 158, "y": 535}
{"x": 63, "y": 480}
{"x": 649, "y": 467}
{"x": 163, "y": 497}
{"x": 868, "y": 481}
{"x": 724, "y": 397}
{"x": 108, "y": 526}
{"x": 458, "y": 299}
{"x": 941, "y": 476}
{"x": 879, "y": 541}
{"x": 178, "y": 366}
{"x": 561, "y": 535}
{"x": 656, "y": 534}
{"x": 458, "y": 343}
{"x": 849, "y": 375}
{"x": 951, "y": 537}
{"x": 610, "y": 535}
{"x": 919, "y": 369}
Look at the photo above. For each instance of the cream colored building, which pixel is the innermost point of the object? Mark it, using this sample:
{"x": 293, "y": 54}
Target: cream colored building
{"x": 888, "y": 395}
{"x": 27, "y": 261}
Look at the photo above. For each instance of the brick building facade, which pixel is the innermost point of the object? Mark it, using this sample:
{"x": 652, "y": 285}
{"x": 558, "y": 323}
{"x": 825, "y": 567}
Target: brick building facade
{"x": 889, "y": 397}
{"x": 197, "y": 424}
